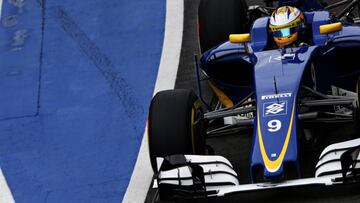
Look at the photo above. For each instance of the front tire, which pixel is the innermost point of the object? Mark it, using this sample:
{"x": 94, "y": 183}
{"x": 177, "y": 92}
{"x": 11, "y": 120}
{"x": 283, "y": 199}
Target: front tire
{"x": 358, "y": 93}
{"x": 357, "y": 110}
{"x": 174, "y": 125}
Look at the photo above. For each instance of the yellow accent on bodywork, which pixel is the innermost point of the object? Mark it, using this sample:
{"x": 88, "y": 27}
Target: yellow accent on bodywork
{"x": 192, "y": 130}
{"x": 330, "y": 28}
{"x": 273, "y": 166}
{"x": 225, "y": 100}
{"x": 239, "y": 38}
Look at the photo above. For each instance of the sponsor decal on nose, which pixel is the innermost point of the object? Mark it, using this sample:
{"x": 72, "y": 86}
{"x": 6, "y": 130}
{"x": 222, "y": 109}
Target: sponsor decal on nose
{"x": 276, "y": 96}
{"x": 275, "y": 108}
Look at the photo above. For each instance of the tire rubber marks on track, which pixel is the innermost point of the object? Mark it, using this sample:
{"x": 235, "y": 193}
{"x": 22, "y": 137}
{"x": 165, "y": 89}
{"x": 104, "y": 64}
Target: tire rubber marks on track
{"x": 117, "y": 83}
{"x": 18, "y": 42}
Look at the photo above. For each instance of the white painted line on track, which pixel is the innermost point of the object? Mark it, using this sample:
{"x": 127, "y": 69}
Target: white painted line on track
{"x": 1, "y": 1}
{"x": 142, "y": 173}
{"x": 170, "y": 56}
{"x": 5, "y": 193}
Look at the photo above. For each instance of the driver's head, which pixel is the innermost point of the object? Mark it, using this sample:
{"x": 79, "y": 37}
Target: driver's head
{"x": 286, "y": 23}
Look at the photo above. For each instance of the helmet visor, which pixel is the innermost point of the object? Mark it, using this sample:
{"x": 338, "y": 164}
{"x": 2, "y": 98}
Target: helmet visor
{"x": 285, "y": 32}
{"x": 282, "y": 33}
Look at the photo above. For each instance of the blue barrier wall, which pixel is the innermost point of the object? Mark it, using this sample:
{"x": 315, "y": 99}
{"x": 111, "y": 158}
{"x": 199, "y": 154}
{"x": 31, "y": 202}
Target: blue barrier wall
{"x": 76, "y": 79}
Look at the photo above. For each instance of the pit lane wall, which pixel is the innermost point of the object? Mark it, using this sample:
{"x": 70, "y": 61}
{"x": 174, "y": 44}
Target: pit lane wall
{"x": 76, "y": 79}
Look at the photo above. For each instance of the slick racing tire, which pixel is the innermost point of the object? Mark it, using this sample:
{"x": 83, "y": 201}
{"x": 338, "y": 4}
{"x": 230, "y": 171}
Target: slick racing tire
{"x": 219, "y": 18}
{"x": 357, "y": 109}
{"x": 174, "y": 125}
{"x": 358, "y": 100}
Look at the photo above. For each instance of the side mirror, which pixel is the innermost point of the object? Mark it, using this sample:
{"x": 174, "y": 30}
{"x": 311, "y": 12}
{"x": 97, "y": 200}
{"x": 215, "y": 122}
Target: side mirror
{"x": 240, "y": 38}
{"x": 330, "y": 28}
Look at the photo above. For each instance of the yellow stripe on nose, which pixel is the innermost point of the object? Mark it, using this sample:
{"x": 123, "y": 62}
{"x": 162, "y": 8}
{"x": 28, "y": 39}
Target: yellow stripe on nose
{"x": 273, "y": 166}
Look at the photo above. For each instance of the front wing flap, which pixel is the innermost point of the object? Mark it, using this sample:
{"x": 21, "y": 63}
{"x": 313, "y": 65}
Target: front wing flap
{"x": 219, "y": 179}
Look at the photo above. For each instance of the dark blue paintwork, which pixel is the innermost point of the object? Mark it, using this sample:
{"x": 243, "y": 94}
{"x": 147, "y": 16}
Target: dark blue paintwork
{"x": 287, "y": 68}
{"x": 286, "y": 71}
{"x": 260, "y": 34}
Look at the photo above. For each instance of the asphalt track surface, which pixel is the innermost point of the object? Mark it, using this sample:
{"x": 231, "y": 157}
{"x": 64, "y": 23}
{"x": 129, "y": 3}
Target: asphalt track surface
{"x": 240, "y": 144}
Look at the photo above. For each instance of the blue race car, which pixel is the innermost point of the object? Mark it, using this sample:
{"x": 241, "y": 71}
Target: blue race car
{"x": 293, "y": 72}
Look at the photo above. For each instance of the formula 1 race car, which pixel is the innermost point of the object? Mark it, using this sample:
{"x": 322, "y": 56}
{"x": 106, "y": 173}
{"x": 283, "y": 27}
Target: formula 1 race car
{"x": 288, "y": 96}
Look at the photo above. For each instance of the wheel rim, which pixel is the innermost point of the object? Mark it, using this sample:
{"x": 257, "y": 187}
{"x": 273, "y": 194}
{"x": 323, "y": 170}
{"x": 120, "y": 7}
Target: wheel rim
{"x": 192, "y": 129}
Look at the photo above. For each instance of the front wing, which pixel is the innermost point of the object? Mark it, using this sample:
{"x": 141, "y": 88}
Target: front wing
{"x": 181, "y": 178}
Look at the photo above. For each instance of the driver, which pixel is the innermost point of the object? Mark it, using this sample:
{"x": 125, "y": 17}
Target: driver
{"x": 287, "y": 24}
